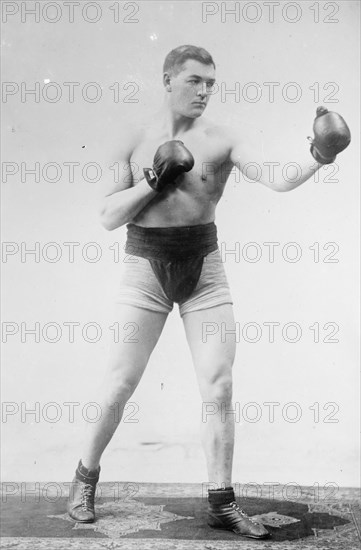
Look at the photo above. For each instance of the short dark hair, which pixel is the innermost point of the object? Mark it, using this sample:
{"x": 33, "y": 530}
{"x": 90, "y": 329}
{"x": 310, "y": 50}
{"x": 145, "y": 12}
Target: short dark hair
{"x": 175, "y": 59}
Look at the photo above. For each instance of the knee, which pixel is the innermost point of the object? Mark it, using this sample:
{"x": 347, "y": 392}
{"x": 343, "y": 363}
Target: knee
{"x": 121, "y": 384}
{"x": 218, "y": 387}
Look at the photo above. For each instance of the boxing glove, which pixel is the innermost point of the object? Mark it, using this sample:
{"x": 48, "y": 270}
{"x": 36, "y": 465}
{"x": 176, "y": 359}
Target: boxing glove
{"x": 171, "y": 159}
{"x": 332, "y": 135}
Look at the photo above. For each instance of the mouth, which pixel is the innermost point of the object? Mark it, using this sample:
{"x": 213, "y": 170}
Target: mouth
{"x": 199, "y": 104}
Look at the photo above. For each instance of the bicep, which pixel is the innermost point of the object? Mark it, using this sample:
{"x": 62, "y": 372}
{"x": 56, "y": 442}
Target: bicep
{"x": 246, "y": 156}
{"x": 120, "y": 173}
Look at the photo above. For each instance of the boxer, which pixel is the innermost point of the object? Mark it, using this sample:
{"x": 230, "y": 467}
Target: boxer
{"x": 170, "y": 216}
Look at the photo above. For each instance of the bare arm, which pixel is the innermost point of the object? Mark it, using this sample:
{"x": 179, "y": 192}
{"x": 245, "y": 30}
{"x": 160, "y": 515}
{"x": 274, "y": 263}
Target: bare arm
{"x": 122, "y": 206}
{"x": 272, "y": 174}
{"x": 122, "y": 200}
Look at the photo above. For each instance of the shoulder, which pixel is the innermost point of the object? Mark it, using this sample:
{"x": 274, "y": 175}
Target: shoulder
{"x": 224, "y": 137}
{"x": 227, "y": 133}
{"x": 132, "y": 132}
{"x": 128, "y": 136}
{"x": 241, "y": 140}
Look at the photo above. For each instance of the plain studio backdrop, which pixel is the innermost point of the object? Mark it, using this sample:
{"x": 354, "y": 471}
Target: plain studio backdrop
{"x": 278, "y": 62}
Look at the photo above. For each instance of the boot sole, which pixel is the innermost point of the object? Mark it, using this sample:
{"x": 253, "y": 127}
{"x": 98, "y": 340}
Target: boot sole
{"x": 240, "y": 534}
{"x": 82, "y": 521}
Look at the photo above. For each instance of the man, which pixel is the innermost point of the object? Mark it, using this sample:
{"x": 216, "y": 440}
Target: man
{"x": 185, "y": 161}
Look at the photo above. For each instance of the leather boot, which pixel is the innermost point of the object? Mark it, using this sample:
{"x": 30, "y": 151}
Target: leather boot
{"x": 224, "y": 513}
{"x": 80, "y": 505}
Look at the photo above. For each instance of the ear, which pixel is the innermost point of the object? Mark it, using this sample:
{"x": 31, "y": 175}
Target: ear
{"x": 166, "y": 81}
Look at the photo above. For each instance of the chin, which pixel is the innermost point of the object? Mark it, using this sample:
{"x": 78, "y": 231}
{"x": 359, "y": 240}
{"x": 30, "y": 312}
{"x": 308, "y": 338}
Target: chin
{"x": 191, "y": 115}
{"x": 196, "y": 113}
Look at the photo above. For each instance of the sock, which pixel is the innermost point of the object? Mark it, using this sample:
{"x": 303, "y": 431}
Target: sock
{"x": 221, "y": 496}
{"x": 87, "y": 476}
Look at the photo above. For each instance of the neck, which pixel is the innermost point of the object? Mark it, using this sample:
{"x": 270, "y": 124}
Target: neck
{"x": 175, "y": 124}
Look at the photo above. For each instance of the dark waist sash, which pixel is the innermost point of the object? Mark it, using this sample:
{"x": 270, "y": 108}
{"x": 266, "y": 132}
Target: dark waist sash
{"x": 175, "y": 253}
{"x": 171, "y": 243}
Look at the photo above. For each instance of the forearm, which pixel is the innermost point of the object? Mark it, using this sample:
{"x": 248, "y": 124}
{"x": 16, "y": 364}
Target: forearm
{"x": 121, "y": 207}
{"x": 283, "y": 174}
{"x": 294, "y": 174}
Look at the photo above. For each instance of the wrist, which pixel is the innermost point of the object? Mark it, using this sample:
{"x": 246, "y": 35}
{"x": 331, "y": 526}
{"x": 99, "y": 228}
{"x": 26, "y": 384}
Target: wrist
{"x": 319, "y": 158}
{"x": 152, "y": 179}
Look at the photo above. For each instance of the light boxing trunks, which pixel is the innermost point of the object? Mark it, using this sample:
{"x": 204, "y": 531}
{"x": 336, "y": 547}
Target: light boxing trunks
{"x": 173, "y": 264}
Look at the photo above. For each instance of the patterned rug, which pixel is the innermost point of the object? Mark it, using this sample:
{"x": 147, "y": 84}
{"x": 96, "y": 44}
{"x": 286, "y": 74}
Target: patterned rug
{"x": 171, "y": 516}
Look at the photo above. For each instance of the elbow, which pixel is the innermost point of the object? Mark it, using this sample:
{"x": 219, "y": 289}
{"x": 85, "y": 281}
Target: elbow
{"x": 105, "y": 220}
{"x": 279, "y": 186}
{"x": 108, "y": 224}
{"x": 282, "y": 187}
{"x": 288, "y": 185}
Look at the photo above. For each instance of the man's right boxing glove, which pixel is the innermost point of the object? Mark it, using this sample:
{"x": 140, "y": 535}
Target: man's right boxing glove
{"x": 332, "y": 135}
{"x": 171, "y": 159}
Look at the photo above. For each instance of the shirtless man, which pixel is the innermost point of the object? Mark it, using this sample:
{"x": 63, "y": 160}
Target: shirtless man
{"x": 170, "y": 212}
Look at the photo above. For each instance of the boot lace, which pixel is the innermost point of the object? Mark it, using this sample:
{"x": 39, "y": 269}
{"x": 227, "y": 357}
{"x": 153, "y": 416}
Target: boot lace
{"x": 235, "y": 506}
{"x": 87, "y": 496}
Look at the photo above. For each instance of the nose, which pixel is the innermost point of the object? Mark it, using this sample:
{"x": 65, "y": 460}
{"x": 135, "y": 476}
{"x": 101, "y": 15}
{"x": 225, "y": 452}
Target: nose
{"x": 202, "y": 92}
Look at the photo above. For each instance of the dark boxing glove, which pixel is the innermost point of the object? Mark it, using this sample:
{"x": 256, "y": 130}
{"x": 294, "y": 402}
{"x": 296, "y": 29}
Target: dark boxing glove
{"x": 171, "y": 159}
{"x": 332, "y": 135}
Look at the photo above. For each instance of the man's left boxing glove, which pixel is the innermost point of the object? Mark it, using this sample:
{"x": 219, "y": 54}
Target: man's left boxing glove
{"x": 332, "y": 135}
{"x": 171, "y": 159}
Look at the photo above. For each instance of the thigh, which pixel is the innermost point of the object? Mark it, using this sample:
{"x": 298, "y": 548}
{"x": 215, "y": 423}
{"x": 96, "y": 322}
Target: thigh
{"x": 131, "y": 345}
{"x": 212, "y": 347}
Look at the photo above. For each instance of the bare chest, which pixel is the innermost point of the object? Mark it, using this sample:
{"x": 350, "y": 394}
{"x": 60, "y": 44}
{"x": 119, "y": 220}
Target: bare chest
{"x": 211, "y": 161}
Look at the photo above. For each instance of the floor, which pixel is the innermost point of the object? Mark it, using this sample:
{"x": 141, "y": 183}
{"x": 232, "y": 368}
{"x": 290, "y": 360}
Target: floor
{"x": 132, "y": 516}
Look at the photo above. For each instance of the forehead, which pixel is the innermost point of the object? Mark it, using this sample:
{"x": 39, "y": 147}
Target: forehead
{"x": 194, "y": 67}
